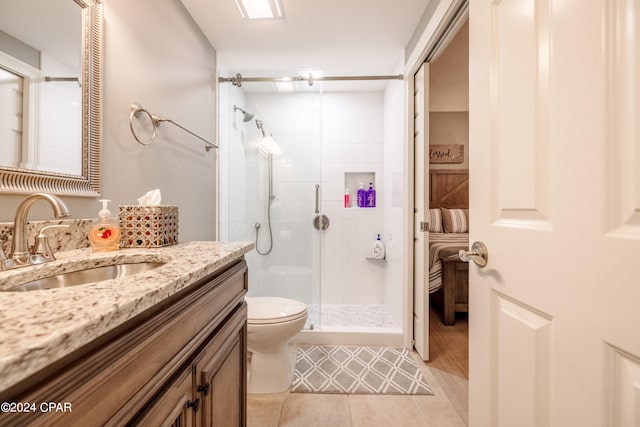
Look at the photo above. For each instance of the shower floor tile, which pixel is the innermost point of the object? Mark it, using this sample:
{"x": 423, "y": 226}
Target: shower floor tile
{"x": 361, "y": 315}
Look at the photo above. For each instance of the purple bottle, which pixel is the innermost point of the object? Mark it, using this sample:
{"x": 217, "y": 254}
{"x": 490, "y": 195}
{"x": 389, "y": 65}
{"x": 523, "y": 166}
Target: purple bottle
{"x": 371, "y": 197}
{"x": 362, "y": 196}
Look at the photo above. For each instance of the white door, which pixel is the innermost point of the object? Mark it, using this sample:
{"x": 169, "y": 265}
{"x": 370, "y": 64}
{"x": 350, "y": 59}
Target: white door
{"x": 421, "y": 213}
{"x": 555, "y": 196}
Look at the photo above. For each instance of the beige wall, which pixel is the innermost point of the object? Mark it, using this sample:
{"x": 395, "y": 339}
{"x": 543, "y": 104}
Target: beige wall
{"x": 446, "y": 128}
{"x": 449, "y": 98}
{"x": 449, "y": 75}
{"x": 155, "y": 55}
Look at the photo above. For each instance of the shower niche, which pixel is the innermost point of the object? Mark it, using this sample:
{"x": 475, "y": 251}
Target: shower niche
{"x": 352, "y": 181}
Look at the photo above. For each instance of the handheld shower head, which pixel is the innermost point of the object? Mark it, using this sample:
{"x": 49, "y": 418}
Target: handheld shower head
{"x": 245, "y": 116}
{"x": 267, "y": 145}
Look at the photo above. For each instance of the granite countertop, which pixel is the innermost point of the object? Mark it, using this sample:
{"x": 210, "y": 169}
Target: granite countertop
{"x": 41, "y": 326}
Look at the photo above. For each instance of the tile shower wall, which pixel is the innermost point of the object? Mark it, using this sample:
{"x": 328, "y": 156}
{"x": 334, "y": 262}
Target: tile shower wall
{"x": 233, "y": 167}
{"x": 288, "y": 270}
{"x": 322, "y": 137}
{"x": 352, "y": 141}
{"x": 394, "y": 161}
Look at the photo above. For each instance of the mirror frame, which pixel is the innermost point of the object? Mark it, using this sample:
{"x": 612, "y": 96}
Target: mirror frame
{"x": 20, "y": 181}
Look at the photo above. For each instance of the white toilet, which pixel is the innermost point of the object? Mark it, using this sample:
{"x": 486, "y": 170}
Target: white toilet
{"x": 271, "y": 323}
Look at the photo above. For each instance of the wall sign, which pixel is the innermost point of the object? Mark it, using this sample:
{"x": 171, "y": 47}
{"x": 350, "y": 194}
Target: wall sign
{"x": 446, "y": 153}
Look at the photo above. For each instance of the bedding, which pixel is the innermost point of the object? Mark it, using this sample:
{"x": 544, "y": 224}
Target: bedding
{"x": 438, "y": 243}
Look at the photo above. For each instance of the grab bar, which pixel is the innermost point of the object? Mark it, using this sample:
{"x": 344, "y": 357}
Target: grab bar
{"x": 136, "y": 110}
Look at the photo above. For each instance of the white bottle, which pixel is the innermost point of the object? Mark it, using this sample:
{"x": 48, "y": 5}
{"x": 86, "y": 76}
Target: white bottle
{"x": 379, "y": 251}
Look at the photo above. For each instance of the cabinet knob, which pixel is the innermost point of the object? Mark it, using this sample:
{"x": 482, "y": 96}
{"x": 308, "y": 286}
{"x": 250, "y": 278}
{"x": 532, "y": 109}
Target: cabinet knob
{"x": 203, "y": 389}
{"x": 194, "y": 404}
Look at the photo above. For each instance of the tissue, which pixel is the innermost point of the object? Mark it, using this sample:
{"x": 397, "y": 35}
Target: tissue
{"x": 148, "y": 224}
{"x": 150, "y": 198}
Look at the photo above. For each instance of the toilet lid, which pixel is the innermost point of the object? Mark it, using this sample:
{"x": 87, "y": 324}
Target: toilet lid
{"x": 274, "y": 309}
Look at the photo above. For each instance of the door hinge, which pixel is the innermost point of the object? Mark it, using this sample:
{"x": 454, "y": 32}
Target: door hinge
{"x": 424, "y": 226}
{"x": 194, "y": 404}
{"x": 204, "y": 389}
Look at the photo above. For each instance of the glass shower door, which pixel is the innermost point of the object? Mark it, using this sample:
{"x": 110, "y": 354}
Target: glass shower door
{"x": 268, "y": 196}
{"x": 292, "y": 270}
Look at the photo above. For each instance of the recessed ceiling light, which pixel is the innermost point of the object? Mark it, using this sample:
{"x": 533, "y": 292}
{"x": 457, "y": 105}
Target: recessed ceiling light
{"x": 285, "y": 87}
{"x": 260, "y": 9}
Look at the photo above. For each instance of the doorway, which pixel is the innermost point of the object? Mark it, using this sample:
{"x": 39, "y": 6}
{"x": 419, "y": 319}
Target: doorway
{"x": 449, "y": 166}
{"x": 447, "y": 182}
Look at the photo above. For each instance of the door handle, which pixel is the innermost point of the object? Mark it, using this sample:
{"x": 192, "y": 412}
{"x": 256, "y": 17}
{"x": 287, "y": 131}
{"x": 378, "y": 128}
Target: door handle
{"x": 477, "y": 254}
{"x": 317, "y": 197}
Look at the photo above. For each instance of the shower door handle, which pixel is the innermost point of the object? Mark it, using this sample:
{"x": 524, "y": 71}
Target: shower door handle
{"x": 321, "y": 222}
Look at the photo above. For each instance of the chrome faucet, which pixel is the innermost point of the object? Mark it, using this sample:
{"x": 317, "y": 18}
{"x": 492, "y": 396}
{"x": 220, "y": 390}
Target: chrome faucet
{"x": 19, "y": 256}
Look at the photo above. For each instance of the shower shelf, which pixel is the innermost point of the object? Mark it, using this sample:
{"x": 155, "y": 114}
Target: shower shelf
{"x": 352, "y": 181}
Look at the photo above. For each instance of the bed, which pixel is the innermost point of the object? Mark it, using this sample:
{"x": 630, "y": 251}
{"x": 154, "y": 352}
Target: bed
{"x": 442, "y": 247}
{"x": 448, "y": 234}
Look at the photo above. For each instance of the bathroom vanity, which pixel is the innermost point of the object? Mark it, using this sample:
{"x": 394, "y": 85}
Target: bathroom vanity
{"x": 166, "y": 346}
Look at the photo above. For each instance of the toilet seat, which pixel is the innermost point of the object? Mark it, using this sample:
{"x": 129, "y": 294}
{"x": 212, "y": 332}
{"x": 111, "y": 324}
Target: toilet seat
{"x": 270, "y": 310}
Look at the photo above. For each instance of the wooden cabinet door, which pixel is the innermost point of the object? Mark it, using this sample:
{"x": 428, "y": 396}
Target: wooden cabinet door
{"x": 221, "y": 375}
{"x": 175, "y": 406}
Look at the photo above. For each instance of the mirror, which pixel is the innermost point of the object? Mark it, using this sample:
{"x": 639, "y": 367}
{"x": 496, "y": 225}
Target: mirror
{"x": 51, "y": 96}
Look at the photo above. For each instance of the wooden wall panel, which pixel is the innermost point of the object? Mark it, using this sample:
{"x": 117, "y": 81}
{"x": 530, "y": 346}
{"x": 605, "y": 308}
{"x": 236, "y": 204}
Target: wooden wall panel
{"x": 449, "y": 188}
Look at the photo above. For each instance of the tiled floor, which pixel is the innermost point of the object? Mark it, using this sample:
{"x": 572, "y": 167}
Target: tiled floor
{"x": 337, "y": 410}
{"x": 357, "y": 315}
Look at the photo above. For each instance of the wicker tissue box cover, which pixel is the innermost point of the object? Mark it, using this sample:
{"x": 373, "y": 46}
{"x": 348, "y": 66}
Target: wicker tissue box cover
{"x": 148, "y": 226}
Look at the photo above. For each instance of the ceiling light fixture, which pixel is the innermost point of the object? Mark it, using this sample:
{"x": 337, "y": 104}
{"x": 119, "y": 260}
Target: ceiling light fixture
{"x": 260, "y": 9}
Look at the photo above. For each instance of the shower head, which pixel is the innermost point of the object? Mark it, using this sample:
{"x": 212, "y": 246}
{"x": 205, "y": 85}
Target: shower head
{"x": 245, "y": 116}
{"x": 267, "y": 145}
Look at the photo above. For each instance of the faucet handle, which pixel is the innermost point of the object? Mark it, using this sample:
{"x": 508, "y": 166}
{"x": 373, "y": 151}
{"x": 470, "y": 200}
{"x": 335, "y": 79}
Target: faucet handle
{"x": 42, "y": 250}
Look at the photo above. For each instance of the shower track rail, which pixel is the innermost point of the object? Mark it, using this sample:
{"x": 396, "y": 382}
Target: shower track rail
{"x": 237, "y": 80}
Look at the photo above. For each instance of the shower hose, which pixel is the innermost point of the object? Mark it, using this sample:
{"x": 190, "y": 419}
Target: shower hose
{"x": 270, "y": 233}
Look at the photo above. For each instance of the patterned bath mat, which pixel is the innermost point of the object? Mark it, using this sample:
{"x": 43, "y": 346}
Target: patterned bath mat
{"x": 357, "y": 370}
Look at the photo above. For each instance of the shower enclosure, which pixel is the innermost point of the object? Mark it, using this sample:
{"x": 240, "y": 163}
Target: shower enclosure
{"x": 287, "y": 155}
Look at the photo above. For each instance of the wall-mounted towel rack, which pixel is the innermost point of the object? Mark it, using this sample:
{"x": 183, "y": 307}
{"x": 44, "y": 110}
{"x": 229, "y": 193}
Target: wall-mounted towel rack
{"x": 62, "y": 79}
{"x": 137, "y": 111}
